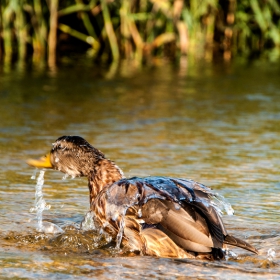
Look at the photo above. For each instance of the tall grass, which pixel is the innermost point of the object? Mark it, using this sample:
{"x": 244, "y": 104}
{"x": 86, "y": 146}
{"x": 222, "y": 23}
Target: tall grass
{"x": 137, "y": 29}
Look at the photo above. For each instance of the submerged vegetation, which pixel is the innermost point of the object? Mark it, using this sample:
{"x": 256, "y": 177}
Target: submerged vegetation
{"x": 137, "y": 29}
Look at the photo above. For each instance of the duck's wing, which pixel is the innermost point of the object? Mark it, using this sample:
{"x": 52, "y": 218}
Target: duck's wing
{"x": 182, "y": 209}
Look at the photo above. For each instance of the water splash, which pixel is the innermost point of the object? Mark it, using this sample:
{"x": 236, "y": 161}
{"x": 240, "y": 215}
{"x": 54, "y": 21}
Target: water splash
{"x": 271, "y": 254}
{"x": 116, "y": 213}
{"x": 49, "y": 227}
{"x": 120, "y": 233}
{"x": 88, "y": 222}
{"x": 65, "y": 176}
{"x": 40, "y": 203}
{"x": 229, "y": 254}
{"x": 221, "y": 204}
{"x": 33, "y": 177}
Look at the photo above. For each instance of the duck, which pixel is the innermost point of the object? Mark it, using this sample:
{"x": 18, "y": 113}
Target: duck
{"x": 155, "y": 216}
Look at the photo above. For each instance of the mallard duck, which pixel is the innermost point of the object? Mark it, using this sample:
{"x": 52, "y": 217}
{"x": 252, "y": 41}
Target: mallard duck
{"x": 157, "y": 216}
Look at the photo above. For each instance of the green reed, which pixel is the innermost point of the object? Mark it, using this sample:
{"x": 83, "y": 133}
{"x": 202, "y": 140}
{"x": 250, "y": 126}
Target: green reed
{"x": 138, "y": 29}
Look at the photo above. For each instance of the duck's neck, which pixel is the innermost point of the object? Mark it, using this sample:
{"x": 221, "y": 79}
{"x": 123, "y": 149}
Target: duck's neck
{"x": 105, "y": 173}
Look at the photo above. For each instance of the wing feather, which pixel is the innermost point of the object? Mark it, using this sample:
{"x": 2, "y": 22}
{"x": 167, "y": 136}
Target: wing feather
{"x": 180, "y": 209}
{"x": 178, "y": 224}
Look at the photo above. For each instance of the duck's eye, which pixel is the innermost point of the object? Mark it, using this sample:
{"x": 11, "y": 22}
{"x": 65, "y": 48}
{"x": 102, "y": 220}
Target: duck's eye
{"x": 56, "y": 146}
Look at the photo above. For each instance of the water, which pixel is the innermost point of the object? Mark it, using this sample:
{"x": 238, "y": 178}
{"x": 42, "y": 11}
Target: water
{"x": 217, "y": 124}
{"x": 40, "y": 204}
{"x": 221, "y": 204}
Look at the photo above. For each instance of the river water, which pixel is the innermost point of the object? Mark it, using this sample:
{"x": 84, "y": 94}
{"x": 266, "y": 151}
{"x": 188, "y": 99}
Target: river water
{"x": 216, "y": 123}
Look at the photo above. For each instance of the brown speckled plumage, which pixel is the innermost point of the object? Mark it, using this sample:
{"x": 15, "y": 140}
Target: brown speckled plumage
{"x": 159, "y": 216}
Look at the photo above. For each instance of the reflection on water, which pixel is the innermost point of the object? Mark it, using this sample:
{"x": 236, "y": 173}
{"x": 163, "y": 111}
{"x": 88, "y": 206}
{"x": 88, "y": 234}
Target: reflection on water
{"x": 217, "y": 124}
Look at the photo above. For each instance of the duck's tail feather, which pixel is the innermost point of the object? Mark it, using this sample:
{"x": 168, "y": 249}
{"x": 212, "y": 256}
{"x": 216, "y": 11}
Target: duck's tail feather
{"x": 231, "y": 240}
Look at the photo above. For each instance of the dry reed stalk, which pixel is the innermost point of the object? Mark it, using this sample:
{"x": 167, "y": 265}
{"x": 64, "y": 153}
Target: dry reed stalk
{"x": 183, "y": 37}
{"x": 40, "y": 31}
{"x": 53, "y": 33}
{"x": 1, "y": 31}
{"x": 137, "y": 40}
{"x": 7, "y": 32}
{"x": 124, "y": 28}
{"x": 20, "y": 29}
{"x": 110, "y": 31}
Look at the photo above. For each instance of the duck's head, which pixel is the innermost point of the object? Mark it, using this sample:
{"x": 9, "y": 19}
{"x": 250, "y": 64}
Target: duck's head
{"x": 72, "y": 155}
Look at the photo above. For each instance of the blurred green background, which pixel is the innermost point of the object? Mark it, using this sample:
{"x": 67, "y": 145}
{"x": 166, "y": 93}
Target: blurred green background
{"x": 138, "y": 30}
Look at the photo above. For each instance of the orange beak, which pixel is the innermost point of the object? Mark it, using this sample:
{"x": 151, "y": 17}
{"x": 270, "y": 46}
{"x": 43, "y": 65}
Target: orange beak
{"x": 43, "y": 162}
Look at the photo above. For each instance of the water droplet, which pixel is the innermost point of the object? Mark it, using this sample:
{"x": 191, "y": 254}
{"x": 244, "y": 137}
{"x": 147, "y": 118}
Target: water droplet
{"x": 229, "y": 254}
{"x": 108, "y": 238}
{"x": 48, "y": 207}
{"x": 271, "y": 254}
{"x": 114, "y": 218}
{"x": 33, "y": 177}
{"x": 177, "y": 206}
